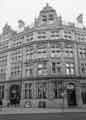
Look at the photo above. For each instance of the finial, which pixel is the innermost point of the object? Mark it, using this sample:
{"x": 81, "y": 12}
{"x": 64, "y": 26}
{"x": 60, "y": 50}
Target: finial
{"x": 6, "y": 23}
{"x": 47, "y": 4}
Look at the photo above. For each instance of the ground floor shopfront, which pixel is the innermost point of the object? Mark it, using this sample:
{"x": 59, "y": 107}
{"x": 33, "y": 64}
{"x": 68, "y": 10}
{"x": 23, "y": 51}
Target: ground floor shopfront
{"x": 51, "y": 92}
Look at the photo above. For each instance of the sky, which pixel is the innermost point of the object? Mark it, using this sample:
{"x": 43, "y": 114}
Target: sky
{"x": 13, "y": 10}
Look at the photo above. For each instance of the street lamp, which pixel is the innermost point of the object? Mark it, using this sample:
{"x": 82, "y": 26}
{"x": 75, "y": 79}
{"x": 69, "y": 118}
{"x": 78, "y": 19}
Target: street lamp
{"x": 63, "y": 94}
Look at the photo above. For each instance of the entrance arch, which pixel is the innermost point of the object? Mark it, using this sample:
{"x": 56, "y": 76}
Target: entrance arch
{"x": 71, "y": 95}
{"x": 14, "y": 94}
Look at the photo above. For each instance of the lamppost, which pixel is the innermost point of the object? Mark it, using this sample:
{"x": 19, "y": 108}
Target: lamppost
{"x": 63, "y": 101}
{"x": 21, "y": 82}
{"x": 63, "y": 96}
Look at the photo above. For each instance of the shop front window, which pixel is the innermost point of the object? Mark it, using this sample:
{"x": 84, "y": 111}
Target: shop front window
{"x": 57, "y": 89}
{"x": 42, "y": 90}
{"x": 28, "y": 91}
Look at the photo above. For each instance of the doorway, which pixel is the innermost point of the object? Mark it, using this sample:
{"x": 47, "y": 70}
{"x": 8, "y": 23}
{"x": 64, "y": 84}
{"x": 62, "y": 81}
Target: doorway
{"x": 14, "y": 94}
{"x": 71, "y": 95}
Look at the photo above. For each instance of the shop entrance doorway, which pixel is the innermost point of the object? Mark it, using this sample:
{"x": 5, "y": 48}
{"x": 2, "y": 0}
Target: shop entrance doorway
{"x": 14, "y": 94}
{"x": 71, "y": 95}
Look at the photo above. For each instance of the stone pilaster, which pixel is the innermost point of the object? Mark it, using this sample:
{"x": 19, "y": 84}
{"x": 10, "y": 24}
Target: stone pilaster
{"x": 22, "y": 96}
{"x": 76, "y": 60}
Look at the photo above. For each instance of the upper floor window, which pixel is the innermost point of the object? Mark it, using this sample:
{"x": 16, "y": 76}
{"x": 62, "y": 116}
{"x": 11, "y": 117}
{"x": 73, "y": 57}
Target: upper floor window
{"x": 42, "y": 68}
{"x": 68, "y": 51}
{"x": 83, "y": 68}
{"x": 80, "y": 36}
{"x": 29, "y": 69}
{"x": 29, "y": 37}
{"x": 44, "y": 18}
{"x": 67, "y": 35}
{"x": 82, "y": 52}
{"x": 4, "y": 44}
{"x": 41, "y": 35}
{"x": 56, "y": 67}
{"x": 54, "y": 33}
{"x": 3, "y": 60}
{"x": 29, "y": 50}
{"x": 51, "y": 17}
{"x": 55, "y": 47}
{"x": 52, "y": 46}
{"x": 69, "y": 68}
{"x": 16, "y": 55}
{"x": 16, "y": 70}
{"x": 18, "y": 41}
{"x": 3, "y": 73}
{"x": 41, "y": 46}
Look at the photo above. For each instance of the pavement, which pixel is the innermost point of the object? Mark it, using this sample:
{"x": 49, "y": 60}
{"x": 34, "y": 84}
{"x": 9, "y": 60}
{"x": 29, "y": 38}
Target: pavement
{"x": 42, "y": 114}
{"x": 39, "y": 110}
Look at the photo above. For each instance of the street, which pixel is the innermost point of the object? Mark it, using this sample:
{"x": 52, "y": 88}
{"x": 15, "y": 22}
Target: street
{"x": 45, "y": 116}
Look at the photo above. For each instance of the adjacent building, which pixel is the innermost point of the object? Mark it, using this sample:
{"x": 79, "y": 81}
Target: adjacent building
{"x": 44, "y": 65}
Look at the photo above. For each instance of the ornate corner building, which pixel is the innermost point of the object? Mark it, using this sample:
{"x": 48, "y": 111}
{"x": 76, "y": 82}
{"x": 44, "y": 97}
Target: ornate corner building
{"x": 44, "y": 65}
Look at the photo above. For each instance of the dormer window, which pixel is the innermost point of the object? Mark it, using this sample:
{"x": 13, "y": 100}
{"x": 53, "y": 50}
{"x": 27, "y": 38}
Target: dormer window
{"x": 47, "y": 15}
{"x": 51, "y": 17}
{"x": 44, "y": 18}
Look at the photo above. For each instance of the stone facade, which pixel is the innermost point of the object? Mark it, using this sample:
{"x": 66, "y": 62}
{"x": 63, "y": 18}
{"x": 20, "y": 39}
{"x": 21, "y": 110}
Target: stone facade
{"x": 43, "y": 65}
